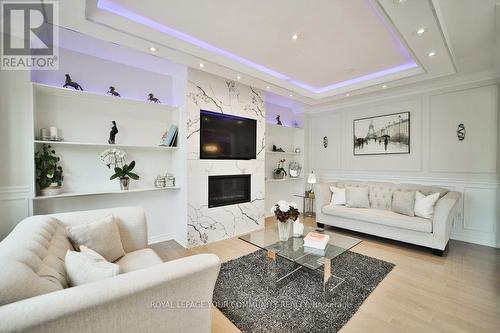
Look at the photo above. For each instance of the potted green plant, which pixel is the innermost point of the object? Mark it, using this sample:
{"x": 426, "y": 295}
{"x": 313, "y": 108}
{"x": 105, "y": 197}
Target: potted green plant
{"x": 49, "y": 174}
{"x": 125, "y": 173}
{"x": 279, "y": 172}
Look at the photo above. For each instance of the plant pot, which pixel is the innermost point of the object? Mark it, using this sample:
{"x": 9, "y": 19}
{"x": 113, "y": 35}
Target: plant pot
{"x": 124, "y": 183}
{"x": 284, "y": 230}
{"x": 53, "y": 189}
{"x": 280, "y": 175}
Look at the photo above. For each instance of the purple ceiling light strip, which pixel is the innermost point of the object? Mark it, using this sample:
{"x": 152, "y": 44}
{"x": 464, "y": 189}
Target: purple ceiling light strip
{"x": 112, "y": 7}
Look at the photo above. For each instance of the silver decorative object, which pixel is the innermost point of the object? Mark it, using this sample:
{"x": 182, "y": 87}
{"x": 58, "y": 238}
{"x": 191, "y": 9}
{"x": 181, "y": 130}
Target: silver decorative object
{"x": 161, "y": 181}
{"x": 294, "y": 169}
{"x": 170, "y": 180}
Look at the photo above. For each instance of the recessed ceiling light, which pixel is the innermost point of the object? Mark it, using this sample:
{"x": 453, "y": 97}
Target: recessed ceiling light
{"x": 202, "y": 65}
{"x": 420, "y": 30}
{"x": 267, "y": 87}
{"x": 153, "y": 49}
{"x": 384, "y": 86}
{"x": 290, "y": 95}
{"x": 295, "y": 36}
{"x": 431, "y": 54}
{"x": 347, "y": 95}
{"x": 399, "y": 1}
{"x": 238, "y": 77}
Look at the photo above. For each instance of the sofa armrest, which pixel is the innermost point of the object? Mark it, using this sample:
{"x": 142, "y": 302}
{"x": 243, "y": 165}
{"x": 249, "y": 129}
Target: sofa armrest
{"x": 323, "y": 198}
{"x": 442, "y": 222}
{"x": 175, "y": 296}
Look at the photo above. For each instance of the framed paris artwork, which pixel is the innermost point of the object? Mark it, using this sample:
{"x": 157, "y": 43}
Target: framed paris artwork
{"x": 381, "y": 135}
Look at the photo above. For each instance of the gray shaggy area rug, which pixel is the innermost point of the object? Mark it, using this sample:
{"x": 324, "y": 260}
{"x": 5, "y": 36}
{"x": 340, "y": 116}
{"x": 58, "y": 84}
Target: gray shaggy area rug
{"x": 247, "y": 293}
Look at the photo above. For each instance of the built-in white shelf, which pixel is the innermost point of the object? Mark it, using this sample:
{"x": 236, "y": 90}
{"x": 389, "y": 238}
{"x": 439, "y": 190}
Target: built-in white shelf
{"x": 82, "y": 194}
{"x": 70, "y": 92}
{"x": 281, "y": 126}
{"x": 284, "y": 153}
{"x": 287, "y": 179}
{"x": 106, "y": 145}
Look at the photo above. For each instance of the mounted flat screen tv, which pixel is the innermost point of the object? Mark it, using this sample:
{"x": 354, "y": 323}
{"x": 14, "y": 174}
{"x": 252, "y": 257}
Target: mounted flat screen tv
{"x": 227, "y": 137}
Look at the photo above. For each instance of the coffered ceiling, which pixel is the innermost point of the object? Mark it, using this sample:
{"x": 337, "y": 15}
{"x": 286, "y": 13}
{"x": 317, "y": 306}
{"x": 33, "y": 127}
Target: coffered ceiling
{"x": 310, "y": 51}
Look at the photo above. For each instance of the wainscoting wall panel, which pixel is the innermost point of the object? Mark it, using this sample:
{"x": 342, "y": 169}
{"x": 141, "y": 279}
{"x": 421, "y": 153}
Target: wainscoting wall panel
{"x": 437, "y": 157}
{"x": 14, "y": 206}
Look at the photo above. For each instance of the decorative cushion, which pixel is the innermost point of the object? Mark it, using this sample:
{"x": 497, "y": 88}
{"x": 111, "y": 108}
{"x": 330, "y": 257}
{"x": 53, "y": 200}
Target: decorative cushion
{"x": 139, "y": 259}
{"x": 403, "y": 203}
{"x": 88, "y": 266}
{"x": 338, "y": 196}
{"x": 103, "y": 236}
{"x": 357, "y": 197}
{"x": 424, "y": 205}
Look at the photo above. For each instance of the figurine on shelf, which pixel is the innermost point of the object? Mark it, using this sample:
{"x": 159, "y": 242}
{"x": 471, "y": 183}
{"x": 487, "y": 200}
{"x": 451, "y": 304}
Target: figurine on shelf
{"x": 70, "y": 83}
{"x": 152, "y": 98}
{"x": 276, "y": 149}
{"x": 112, "y": 91}
{"x": 112, "y": 133}
{"x": 278, "y": 120}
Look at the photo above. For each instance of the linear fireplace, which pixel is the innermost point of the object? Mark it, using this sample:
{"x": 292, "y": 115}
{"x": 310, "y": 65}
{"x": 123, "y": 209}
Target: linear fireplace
{"x": 228, "y": 190}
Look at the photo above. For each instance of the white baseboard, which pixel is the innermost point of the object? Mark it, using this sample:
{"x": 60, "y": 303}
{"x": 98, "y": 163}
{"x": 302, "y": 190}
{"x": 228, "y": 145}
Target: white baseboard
{"x": 489, "y": 241}
{"x": 161, "y": 238}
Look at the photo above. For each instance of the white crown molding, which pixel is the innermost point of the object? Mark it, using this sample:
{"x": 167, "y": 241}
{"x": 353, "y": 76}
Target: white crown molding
{"x": 491, "y": 76}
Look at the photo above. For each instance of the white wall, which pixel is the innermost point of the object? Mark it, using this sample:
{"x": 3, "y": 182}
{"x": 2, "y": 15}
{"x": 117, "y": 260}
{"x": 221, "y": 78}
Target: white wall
{"x": 437, "y": 157}
{"x": 15, "y": 138}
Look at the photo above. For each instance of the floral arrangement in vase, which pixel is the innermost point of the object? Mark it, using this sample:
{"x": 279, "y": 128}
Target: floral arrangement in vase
{"x": 286, "y": 213}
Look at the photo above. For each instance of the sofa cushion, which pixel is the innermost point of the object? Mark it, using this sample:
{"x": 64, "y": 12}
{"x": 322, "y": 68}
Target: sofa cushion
{"x": 88, "y": 266}
{"x": 32, "y": 259}
{"x": 380, "y": 216}
{"x": 357, "y": 197}
{"x": 338, "y": 196}
{"x": 102, "y": 236}
{"x": 403, "y": 203}
{"x": 139, "y": 259}
{"x": 424, "y": 205}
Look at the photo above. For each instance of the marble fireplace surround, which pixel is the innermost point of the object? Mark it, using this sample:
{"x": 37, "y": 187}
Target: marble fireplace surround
{"x": 216, "y": 94}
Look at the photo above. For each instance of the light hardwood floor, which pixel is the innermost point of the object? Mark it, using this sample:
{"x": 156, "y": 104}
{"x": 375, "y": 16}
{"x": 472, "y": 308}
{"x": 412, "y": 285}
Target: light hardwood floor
{"x": 459, "y": 292}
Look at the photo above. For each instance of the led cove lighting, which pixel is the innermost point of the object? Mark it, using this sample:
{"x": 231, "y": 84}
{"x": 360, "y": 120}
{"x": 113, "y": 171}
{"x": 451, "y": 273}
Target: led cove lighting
{"x": 112, "y": 7}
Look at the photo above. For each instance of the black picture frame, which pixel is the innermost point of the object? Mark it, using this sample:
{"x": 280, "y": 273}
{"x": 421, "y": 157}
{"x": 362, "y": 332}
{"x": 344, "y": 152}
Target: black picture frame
{"x": 382, "y": 151}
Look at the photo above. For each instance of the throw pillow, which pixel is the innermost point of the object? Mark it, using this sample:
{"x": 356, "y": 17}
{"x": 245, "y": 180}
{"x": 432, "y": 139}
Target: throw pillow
{"x": 403, "y": 203}
{"x": 357, "y": 197}
{"x": 103, "y": 236}
{"x": 424, "y": 205}
{"x": 338, "y": 196}
{"x": 87, "y": 266}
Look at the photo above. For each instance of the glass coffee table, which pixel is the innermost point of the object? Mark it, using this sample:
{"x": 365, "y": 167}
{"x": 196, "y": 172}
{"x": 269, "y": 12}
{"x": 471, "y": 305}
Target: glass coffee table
{"x": 293, "y": 249}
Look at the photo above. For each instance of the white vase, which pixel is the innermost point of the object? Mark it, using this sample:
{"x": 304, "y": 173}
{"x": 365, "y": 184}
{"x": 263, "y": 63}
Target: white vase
{"x": 284, "y": 230}
{"x": 53, "y": 189}
{"x": 298, "y": 228}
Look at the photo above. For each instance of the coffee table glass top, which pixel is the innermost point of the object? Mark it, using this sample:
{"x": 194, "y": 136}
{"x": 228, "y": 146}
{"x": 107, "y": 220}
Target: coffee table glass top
{"x": 294, "y": 250}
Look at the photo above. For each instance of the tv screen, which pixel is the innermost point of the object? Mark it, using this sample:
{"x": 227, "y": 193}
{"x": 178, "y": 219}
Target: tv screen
{"x": 224, "y": 136}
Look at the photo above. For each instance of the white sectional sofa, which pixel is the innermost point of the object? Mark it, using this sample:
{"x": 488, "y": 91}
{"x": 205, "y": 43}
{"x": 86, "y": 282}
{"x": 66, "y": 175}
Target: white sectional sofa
{"x": 148, "y": 296}
{"x": 379, "y": 220}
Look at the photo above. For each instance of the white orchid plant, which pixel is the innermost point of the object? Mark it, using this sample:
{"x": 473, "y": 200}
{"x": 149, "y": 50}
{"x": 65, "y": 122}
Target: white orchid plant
{"x": 285, "y": 211}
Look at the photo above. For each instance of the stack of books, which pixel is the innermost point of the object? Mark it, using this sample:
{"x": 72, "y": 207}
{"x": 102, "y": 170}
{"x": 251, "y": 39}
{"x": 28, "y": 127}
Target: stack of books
{"x": 315, "y": 243}
{"x": 169, "y": 139}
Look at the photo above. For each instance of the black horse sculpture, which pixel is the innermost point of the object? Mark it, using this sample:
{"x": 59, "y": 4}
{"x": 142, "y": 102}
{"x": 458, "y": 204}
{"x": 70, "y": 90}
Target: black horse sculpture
{"x": 112, "y": 91}
{"x": 70, "y": 83}
{"x": 152, "y": 98}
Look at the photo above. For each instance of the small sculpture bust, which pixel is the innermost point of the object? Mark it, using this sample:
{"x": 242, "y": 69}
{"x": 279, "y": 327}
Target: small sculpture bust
{"x": 112, "y": 133}
{"x": 278, "y": 120}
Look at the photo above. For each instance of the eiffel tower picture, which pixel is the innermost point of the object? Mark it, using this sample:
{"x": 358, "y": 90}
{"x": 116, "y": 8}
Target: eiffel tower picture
{"x": 388, "y": 134}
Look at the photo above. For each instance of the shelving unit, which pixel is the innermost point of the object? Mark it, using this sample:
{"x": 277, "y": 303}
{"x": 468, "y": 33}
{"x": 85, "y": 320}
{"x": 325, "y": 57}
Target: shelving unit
{"x": 84, "y": 118}
{"x": 72, "y": 93}
{"x": 105, "y": 145}
{"x": 288, "y": 139}
{"x": 70, "y": 195}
